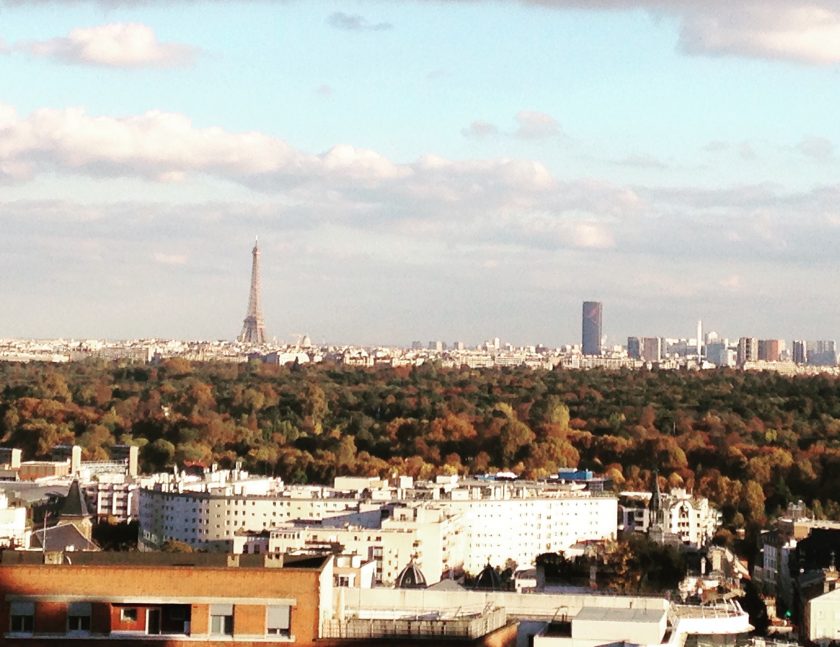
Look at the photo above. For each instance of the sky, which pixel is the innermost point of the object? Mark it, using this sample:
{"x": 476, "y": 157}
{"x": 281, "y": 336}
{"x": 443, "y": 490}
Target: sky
{"x": 419, "y": 169}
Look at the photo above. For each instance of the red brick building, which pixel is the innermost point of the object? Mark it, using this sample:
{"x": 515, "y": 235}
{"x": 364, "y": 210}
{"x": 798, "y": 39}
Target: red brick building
{"x": 171, "y": 599}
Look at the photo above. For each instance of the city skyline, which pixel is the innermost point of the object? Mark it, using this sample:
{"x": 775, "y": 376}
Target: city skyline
{"x": 419, "y": 170}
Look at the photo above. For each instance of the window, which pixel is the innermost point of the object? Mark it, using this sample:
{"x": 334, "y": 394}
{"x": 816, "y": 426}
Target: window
{"x": 221, "y": 619}
{"x": 128, "y": 614}
{"x": 22, "y": 617}
{"x": 278, "y": 621}
{"x": 78, "y": 616}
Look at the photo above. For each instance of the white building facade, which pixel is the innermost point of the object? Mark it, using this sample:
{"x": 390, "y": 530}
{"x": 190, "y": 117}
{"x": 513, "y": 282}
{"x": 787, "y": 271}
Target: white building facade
{"x": 519, "y": 529}
{"x": 689, "y": 518}
{"x": 12, "y": 524}
{"x": 207, "y": 512}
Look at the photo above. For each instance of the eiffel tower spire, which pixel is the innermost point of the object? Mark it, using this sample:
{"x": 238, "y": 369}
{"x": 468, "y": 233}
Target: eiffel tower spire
{"x": 253, "y": 328}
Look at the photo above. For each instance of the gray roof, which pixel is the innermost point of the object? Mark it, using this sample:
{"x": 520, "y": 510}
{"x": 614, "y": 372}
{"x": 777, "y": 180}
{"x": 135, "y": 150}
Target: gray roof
{"x": 446, "y": 585}
{"x": 610, "y": 614}
{"x": 64, "y": 536}
{"x": 74, "y": 503}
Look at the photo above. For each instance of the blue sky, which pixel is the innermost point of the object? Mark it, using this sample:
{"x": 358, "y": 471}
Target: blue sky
{"x": 419, "y": 169}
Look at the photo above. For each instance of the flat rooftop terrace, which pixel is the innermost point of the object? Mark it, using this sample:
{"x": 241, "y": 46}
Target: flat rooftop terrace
{"x": 152, "y": 559}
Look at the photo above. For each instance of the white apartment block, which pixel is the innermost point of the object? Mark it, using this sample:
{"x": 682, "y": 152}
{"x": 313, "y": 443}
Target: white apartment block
{"x": 206, "y": 513}
{"x": 520, "y": 529}
{"x": 444, "y": 527}
{"x": 112, "y": 496}
{"x": 434, "y": 539}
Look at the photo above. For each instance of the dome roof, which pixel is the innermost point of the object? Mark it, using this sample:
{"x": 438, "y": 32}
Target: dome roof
{"x": 410, "y": 577}
{"x": 488, "y": 579}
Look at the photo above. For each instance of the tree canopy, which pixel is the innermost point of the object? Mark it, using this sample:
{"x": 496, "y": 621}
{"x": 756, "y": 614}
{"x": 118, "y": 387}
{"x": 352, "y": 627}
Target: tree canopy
{"x": 750, "y": 441}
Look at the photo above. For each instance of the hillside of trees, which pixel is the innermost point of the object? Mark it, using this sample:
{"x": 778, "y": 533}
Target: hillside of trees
{"x": 751, "y": 442}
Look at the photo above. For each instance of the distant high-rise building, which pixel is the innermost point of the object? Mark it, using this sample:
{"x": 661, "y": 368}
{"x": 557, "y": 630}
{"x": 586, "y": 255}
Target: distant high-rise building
{"x": 634, "y": 348}
{"x": 800, "y": 352}
{"x": 747, "y": 350}
{"x": 253, "y": 328}
{"x": 718, "y": 354}
{"x": 591, "y": 334}
{"x": 822, "y": 352}
{"x": 652, "y": 349}
{"x": 769, "y": 350}
{"x": 699, "y": 339}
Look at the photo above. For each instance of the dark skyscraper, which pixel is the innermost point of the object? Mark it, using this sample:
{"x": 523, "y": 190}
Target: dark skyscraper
{"x": 592, "y": 312}
{"x": 800, "y": 353}
{"x": 634, "y": 348}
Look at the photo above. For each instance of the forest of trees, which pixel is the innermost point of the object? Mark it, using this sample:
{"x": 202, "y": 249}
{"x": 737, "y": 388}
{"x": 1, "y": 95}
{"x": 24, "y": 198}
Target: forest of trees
{"x": 751, "y": 442}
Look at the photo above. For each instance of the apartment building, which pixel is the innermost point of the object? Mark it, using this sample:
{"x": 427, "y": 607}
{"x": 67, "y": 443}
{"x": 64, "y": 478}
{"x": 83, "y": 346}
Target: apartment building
{"x": 520, "y": 529}
{"x": 174, "y": 599}
{"x": 460, "y": 523}
{"x": 207, "y": 512}
{"x": 434, "y": 539}
{"x": 113, "y": 496}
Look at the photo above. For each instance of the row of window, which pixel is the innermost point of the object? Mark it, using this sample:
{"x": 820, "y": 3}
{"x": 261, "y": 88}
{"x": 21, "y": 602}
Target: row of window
{"x": 22, "y": 618}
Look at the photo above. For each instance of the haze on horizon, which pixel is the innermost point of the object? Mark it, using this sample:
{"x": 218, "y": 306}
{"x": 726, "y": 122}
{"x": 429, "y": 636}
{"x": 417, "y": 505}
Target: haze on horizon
{"x": 419, "y": 170}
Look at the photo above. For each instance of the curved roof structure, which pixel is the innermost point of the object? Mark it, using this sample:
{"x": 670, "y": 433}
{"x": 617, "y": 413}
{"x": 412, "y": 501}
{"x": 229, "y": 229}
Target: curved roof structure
{"x": 488, "y": 579}
{"x": 410, "y": 577}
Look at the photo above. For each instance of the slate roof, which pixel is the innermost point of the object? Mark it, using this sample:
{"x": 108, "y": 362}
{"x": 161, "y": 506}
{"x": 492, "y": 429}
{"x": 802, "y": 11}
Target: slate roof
{"x": 65, "y": 536}
{"x": 74, "y": 503}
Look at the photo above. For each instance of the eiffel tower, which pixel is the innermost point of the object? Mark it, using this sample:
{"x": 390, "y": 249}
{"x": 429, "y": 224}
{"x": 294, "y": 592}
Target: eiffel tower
{"x": 253, "y": 328}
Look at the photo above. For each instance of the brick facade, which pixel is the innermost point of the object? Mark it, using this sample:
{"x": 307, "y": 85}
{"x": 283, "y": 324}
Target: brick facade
{"x": 135, "y": 603}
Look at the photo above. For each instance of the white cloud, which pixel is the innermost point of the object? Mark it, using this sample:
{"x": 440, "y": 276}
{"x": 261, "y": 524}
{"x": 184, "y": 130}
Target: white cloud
{"x": 799, "y": 31}
{"x": 593, "y": 236}
{"x": 731, "y": 283}
{"x": 152, "y": 145}
{"x": 803, "y": 31}
{"x": 345, "y": 183}
{"x": 536, "y": 125}
{"x": 170, "y": 259}
{"x": 127, "y": 45}
{"x": 819, "y": 149}
{"x": 513, "y": 202}
{"x": 480, "y": 130}
{"x": 531, "y": 125}
{"x": 355, "y": 22}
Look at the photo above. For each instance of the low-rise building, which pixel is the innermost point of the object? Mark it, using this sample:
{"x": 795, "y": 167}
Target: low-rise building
{"x": 12, "y": 523}
{"x": 176, "y": 599}
{"x": 821, "y": 620}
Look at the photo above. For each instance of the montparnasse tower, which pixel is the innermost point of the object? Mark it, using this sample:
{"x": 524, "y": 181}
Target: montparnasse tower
{"x": 253, "y": 328}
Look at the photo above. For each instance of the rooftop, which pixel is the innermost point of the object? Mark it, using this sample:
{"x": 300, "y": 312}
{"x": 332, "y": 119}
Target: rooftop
{"x": 608, "y": 614}
{"x": 150, "y": 559}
